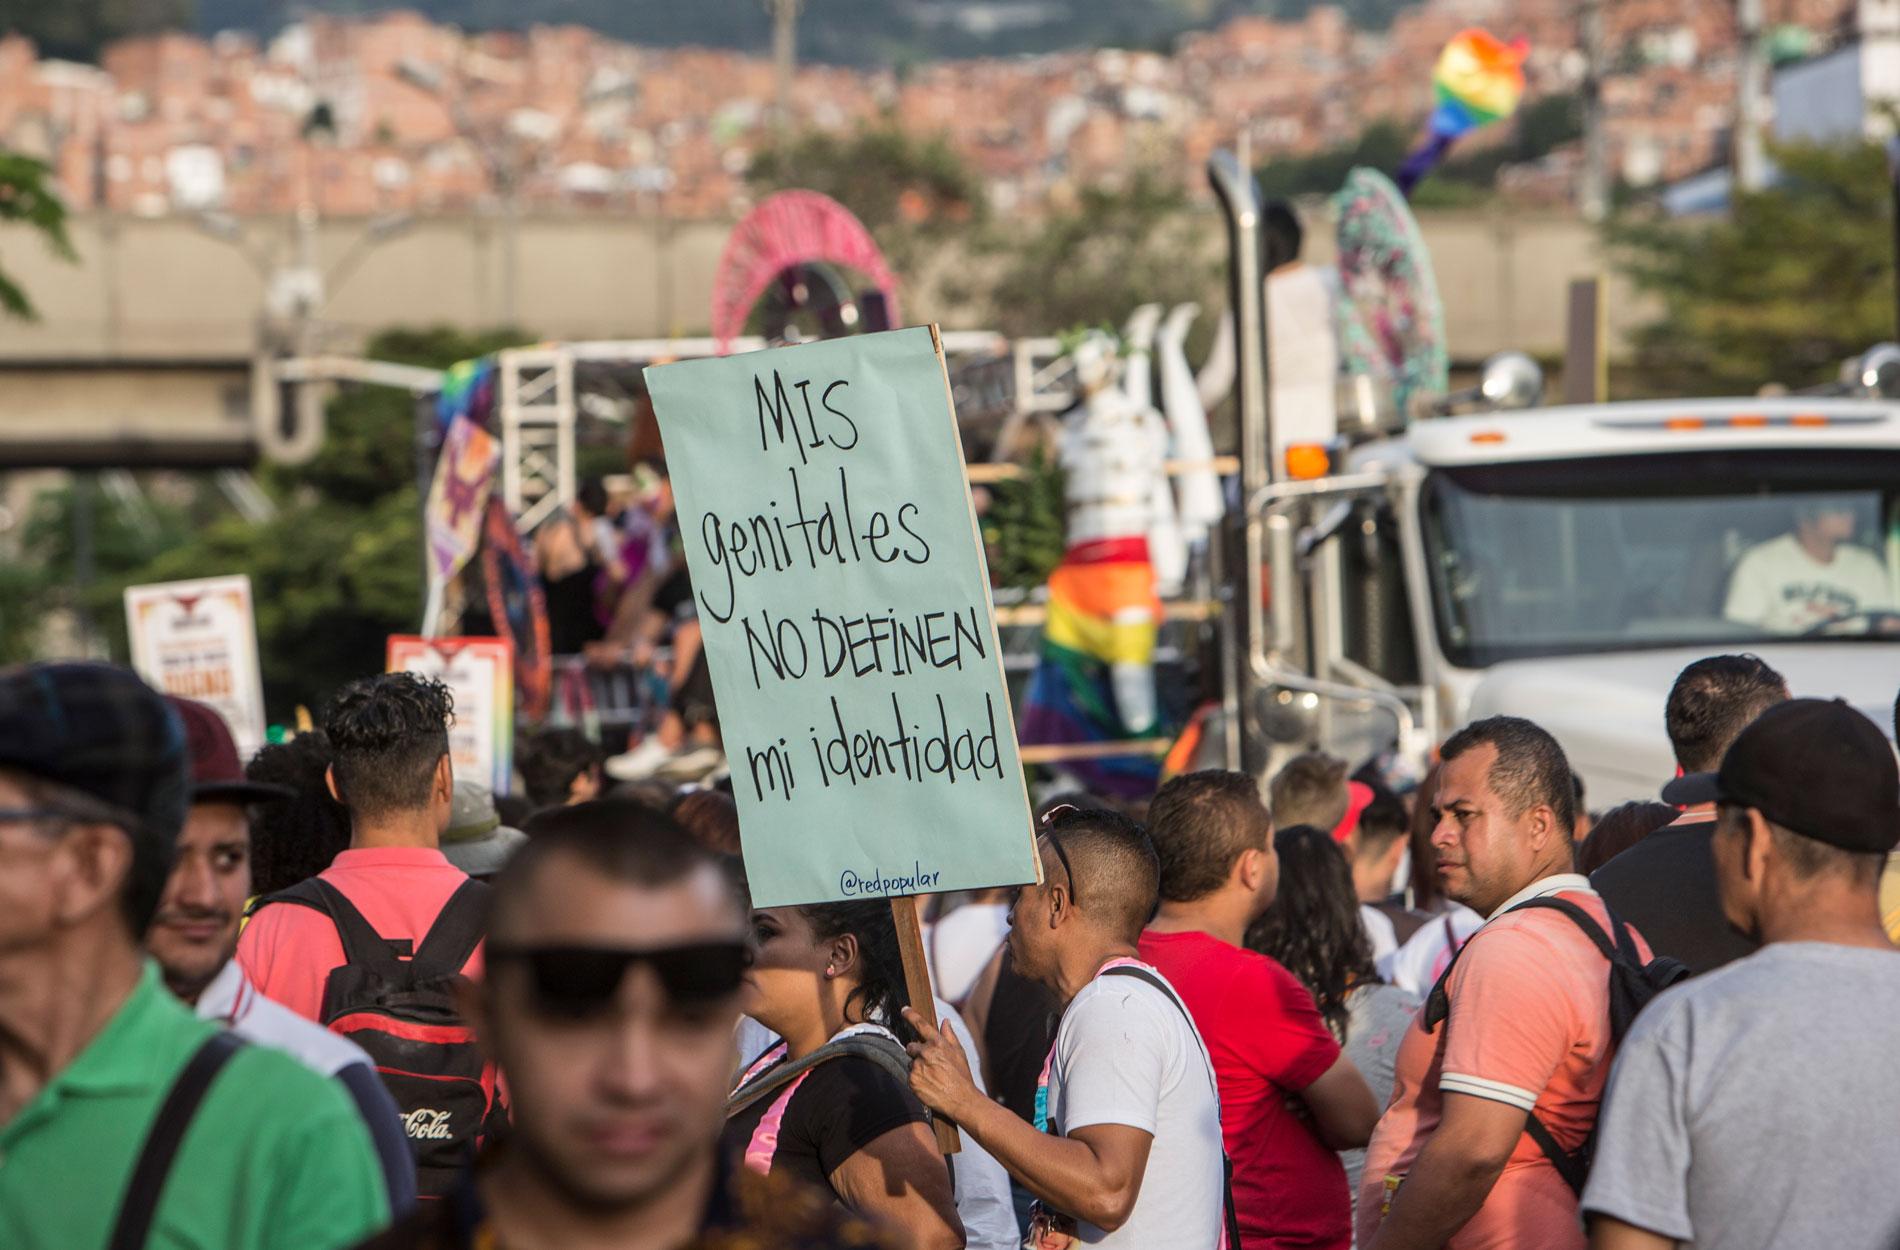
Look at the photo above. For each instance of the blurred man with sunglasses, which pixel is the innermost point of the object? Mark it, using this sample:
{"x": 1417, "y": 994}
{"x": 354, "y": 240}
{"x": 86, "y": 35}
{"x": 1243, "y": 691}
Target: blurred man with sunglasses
{"x": 616, "y": 948}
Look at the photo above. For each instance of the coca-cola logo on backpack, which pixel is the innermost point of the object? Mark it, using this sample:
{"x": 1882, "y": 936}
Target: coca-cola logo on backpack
{"x": 403, "y": 1012}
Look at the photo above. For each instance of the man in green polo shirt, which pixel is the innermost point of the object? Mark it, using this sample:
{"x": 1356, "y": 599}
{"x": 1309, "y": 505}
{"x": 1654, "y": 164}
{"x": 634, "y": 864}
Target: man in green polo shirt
{"x": 92, "y": 1045}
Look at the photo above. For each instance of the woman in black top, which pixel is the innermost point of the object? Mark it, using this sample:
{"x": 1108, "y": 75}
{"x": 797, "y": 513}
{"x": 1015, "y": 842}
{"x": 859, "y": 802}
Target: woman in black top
{"x": 847, "y": 1126}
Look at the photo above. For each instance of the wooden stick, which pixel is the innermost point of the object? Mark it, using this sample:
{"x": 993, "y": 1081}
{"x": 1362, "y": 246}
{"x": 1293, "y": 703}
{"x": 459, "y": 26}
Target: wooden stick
{"x": 1118, "y": 748}
{"x": 1171, "y": 610}
{"x": 910, "y": 944}
{"x": 984, "y": 474}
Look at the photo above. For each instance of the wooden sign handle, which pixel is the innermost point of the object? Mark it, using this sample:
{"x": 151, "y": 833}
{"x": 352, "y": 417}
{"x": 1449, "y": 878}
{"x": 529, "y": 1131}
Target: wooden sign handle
{"x": 910, "y": 944}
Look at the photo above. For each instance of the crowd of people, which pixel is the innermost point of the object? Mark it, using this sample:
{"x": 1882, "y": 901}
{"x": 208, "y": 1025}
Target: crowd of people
{"x": 619, "y": 598}
{"x": 336, "y": 996}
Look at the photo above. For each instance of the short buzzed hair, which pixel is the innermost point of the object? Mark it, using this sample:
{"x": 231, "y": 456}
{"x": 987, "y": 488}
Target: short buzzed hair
{"x": 387, "y": 734}
{"x": 1116, "y": 876}
{"x": 1712, "y": 701}
{"x": 1200, "y": 824}
{"x": 619, "y": 839}
{"x": 1310, "y": 790}
{"x": 1530, "y": 769}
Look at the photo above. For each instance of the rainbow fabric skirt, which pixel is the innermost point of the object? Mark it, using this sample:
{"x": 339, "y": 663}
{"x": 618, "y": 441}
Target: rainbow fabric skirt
{"x": 1103, "y": 613}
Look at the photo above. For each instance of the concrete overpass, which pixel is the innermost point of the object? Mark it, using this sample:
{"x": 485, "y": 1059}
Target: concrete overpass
{"x": 143, "y": 352}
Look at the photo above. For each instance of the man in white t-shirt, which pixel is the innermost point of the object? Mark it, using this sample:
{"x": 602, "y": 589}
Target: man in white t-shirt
{"x": 1804, "y": 579}
{"x": 1127, "y": 1151}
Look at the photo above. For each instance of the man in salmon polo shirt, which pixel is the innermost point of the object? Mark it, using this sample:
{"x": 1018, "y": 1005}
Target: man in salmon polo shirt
{"x": 389, "y": 738}
{"x": 1453, "y": 1162}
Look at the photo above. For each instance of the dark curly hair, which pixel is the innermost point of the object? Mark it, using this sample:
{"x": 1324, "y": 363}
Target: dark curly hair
{"x": 882, "y": 992}
{"x": 294, "y": 839}
{"x": 388, "y": 733}
{"x": 1313, "y": 927}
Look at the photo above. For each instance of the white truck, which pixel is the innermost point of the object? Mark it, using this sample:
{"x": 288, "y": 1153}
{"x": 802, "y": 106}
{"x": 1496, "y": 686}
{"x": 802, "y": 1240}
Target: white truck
{"x": 1564, "y": 564}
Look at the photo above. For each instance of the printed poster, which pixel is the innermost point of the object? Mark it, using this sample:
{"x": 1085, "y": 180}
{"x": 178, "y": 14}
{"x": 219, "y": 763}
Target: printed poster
{"x": 198, "y": 640}
{"x": 481, "y": 674}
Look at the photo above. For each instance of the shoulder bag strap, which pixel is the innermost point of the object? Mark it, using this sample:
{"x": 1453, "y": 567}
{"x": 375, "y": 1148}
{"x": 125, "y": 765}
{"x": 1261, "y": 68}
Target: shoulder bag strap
{"x": 362, "y": 945}
{"x": 1578, "y": 916}
{"x": 1230, "y": 1212}
{"x": 1568, "y": 1165}
{"x": 886, "y": 1054}
{"x": 154, "y": 1164}
{"x": 457, "y": 931}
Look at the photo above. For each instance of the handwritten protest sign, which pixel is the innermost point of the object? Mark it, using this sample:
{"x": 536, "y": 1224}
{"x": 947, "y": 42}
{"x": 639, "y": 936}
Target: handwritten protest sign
{"x": 842, "y": 592}
{"x": 198, "y": 640}
{"x": 480, "y": 673}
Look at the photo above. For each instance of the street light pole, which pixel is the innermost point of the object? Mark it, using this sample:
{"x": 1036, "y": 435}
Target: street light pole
{"x": 1593, "y": 199}
{"x": 784, "y": 54}
{"x": 1751, "y": 158}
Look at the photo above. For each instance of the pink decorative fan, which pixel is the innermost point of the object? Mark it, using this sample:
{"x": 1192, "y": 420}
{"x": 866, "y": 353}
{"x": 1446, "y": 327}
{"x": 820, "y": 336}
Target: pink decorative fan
{"x": 788, "y": 231}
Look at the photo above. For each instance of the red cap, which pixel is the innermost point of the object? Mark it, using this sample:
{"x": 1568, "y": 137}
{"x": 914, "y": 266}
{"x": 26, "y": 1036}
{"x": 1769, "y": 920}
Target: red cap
{"x": 217, "y": 775}
{"x": 1358, "y": 796}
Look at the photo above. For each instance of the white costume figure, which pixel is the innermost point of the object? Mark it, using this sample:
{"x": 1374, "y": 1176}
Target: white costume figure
{"x": 1197, "y": 491}
{"x": 1167, "y": 545}
{"x": 1112, "y": 453}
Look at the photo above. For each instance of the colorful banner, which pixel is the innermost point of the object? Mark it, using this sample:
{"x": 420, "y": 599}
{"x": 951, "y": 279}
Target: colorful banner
{"x": 842, "y": 592}
{"x": 198, "y": 640}
{"x": 481, "y": 674}
{"x": 464, "y": 476}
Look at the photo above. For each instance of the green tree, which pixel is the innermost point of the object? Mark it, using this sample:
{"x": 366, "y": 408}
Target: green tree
{"x": 910, "y": 192}
{"x": 1539, "y": 128}
{"x": 339, "y": 568}
{"x": 1117, "y": 248}
{"x": 48, "y": 575}
{"x": 27, "y": 196}
{"x": 1796, "y": 279}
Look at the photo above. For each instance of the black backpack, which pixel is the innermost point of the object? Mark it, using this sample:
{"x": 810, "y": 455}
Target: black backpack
{"x": 399, "y": 1006}
{"x": 1633, "y": 984}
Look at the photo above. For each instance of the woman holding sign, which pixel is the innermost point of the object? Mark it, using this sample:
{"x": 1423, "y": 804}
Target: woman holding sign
{"x": 831, "y": 1103}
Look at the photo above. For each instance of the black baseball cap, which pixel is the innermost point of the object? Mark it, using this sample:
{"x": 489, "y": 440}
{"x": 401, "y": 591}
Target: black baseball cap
{"x": 1813, "y": 766}
{"x": 98, "y": 729}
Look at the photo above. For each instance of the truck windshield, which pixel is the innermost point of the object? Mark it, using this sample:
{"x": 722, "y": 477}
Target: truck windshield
{"x": 1716, "y": 548}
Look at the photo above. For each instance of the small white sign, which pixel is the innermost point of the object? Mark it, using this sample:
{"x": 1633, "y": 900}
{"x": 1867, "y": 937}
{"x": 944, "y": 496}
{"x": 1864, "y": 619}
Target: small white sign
{"x": 198, "y": 640}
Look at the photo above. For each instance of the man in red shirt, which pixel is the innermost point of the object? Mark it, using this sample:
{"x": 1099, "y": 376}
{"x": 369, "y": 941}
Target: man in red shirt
{"x": 1289, "y": 1099}
{"x": 389, "y": 736}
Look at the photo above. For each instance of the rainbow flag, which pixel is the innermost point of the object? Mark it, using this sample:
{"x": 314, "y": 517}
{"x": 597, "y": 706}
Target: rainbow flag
{"x": 1071, "y": 696}
{"x": 1479, "y": 79}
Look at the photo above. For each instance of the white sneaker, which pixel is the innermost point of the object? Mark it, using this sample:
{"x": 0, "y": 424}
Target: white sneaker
{"x": 640, "y": 763}
{"x": 694, "y": 762}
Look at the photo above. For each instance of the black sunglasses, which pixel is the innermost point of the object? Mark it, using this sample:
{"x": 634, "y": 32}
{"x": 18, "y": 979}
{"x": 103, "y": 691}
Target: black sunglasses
{"x": 1055, "y": 844}
{"x": 581, "y": 982}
